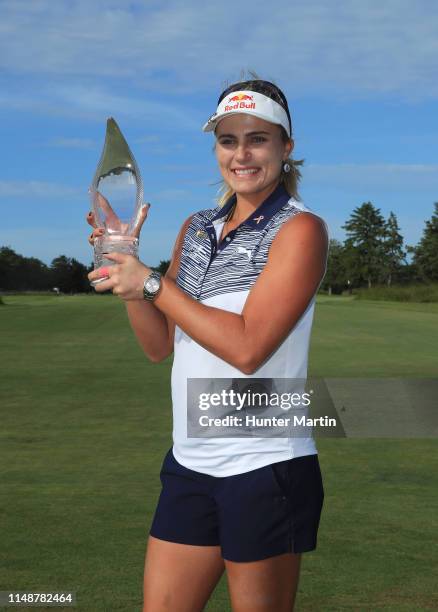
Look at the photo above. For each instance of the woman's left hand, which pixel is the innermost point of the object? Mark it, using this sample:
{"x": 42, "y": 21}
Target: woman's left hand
{"x": 125, "y": 277}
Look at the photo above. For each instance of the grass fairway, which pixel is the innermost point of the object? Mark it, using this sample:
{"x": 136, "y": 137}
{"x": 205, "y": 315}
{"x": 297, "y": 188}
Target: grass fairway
{"x": 86, "y": 421}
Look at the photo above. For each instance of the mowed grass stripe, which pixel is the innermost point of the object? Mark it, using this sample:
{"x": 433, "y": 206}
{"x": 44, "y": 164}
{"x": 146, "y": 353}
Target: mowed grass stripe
{"x": 374, "y": 339}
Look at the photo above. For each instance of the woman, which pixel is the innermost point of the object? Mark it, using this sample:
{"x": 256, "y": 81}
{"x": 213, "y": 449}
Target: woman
{"x": 236, "y": 302}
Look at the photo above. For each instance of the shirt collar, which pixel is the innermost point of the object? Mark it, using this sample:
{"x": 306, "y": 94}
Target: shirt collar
{"x": 260, "y": 217}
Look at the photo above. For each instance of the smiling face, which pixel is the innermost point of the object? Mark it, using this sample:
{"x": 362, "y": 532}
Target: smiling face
{"x": 250, "y": 153}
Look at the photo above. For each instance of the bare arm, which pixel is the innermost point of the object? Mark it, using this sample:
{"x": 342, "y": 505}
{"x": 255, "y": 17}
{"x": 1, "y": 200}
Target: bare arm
{"x": 153, "y": 328}
{"x": 294, "y": 270}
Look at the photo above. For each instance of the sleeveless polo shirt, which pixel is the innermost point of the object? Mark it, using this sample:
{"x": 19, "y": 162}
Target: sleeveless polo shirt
{"x": 221, "y": 275}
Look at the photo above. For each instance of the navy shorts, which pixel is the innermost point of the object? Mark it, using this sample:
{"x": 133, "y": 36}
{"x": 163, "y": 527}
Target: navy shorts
{"x": 269, "y": 511}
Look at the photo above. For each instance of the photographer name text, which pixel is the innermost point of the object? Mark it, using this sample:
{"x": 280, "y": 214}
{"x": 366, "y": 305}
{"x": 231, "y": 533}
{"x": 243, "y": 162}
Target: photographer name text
{"x": 253, "y": 421}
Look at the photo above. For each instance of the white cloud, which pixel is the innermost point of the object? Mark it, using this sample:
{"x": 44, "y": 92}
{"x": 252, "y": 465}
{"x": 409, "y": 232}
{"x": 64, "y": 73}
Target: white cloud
{"x": 151, "y": 139}
{"x": 36, "y": 189}
{"x": 382, "y": 177}
{"x": 72, "y": 143}
{"x": 91, "y": 102}
{"x": 347, "y": 47}
{"x": 154, "y": 144}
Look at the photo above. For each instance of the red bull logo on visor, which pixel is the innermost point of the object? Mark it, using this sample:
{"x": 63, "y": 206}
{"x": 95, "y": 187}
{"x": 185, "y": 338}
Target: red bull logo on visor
{"x": 240, "y": 97}
{"x": 241, "y": 101}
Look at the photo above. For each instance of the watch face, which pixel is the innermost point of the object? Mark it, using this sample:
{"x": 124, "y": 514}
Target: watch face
{"x": 152, "y": 285}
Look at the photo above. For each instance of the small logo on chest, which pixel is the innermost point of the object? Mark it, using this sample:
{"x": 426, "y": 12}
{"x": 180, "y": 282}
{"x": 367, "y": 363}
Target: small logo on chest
{"x": 258, "y": 219}
{"x": 243, "y": 250}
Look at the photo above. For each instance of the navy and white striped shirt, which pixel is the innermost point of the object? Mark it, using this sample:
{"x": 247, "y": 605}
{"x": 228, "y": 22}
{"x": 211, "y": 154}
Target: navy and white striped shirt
{"x": 208, "y": 269}
{"x": 221, "y": 274}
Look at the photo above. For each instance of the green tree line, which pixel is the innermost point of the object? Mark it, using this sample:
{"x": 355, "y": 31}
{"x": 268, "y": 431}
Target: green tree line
{"x": 65, "y": 274}
{"x": 19, "y": 273}
{"x": 372, "y": 253}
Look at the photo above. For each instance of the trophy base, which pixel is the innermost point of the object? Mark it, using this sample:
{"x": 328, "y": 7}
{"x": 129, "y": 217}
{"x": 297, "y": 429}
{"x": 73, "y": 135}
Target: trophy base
{"x": 112, "y": 243}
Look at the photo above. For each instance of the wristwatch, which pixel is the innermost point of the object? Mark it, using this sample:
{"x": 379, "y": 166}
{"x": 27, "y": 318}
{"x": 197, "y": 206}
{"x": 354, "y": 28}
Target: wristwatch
{"x": 152, "y": 286}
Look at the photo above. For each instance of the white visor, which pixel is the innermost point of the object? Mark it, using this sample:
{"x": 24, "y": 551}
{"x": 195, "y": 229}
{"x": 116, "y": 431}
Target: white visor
{"x": 250, "y": 103}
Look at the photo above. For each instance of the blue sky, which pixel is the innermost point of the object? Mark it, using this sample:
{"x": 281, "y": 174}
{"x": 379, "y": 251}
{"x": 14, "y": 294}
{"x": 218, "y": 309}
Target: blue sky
{"x": 361, "y": 79}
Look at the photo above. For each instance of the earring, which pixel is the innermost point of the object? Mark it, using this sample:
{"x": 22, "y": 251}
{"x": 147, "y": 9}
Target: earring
{"x": 286, "y": 167}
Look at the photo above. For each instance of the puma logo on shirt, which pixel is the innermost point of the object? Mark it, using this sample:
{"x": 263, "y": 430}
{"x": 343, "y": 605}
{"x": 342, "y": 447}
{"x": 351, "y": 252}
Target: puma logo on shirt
{"x": 243, "y": 250}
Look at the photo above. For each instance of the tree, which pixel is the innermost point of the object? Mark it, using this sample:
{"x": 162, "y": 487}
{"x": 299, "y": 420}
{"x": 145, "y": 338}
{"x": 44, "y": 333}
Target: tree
{"x": 18, "y": 273}
{"x": 10, "y": 263}
{"x": 79, "y": 278}
{"x": 363, "y": 249}
{"x": 69, "y": 275}
{"x": 393, "y": 249}
{"x": 425, "y": 254}
{"x": 162, "y": 266}
{"x": 335, "y": 276}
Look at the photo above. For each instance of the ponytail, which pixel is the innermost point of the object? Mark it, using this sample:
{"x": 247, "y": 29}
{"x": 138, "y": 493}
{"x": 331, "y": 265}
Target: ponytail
{"x": 292, "y": 178}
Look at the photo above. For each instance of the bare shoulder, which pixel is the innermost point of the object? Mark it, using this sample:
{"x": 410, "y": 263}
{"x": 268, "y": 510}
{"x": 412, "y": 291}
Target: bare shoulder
{"x": 305, "y": 222}
{"x": 303, "y": 228}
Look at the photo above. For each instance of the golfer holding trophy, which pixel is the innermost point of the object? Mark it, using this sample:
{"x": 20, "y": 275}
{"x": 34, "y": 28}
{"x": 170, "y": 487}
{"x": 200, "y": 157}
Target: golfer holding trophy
{"x": 236, "y": 303}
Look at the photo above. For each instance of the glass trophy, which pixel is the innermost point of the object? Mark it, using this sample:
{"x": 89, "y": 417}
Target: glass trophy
{"x": 116, "y": 198}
